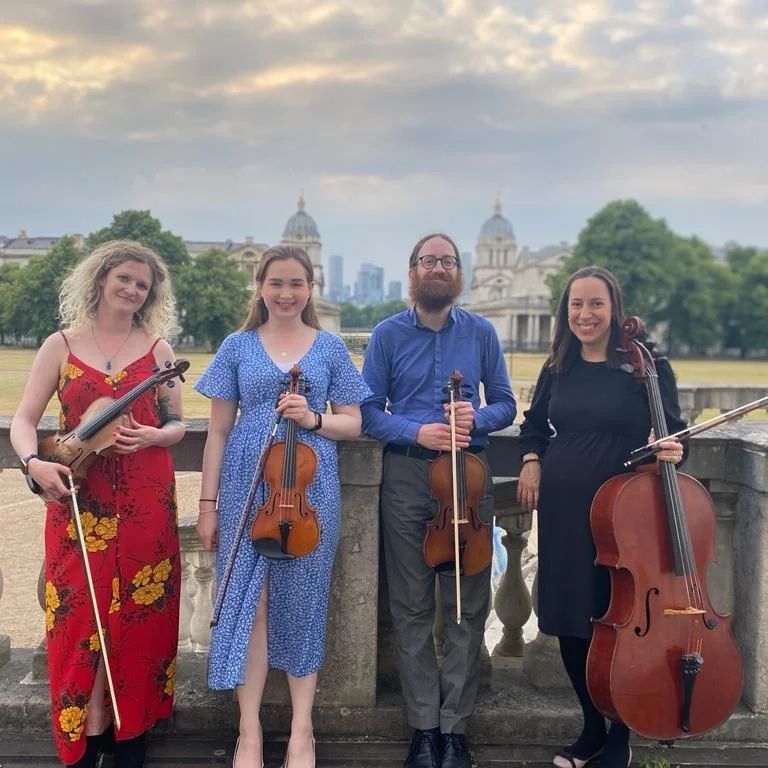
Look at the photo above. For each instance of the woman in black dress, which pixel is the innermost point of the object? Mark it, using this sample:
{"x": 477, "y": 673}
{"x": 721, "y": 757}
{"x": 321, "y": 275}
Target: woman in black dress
{"x": 587, "y": 414}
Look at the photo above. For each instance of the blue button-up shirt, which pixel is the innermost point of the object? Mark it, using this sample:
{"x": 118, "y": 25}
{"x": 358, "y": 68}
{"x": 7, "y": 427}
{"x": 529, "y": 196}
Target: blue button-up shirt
{"x": 408, "y": 365}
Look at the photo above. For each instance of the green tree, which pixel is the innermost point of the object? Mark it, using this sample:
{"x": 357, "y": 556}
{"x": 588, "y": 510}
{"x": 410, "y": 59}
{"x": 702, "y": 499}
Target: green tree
{"x": 351, "y": 315}
{"x": 623, "y": 238}
{"x": 9, "y": 276}
{"x": 34, "y": 300}
{"x": 746, "y": 309}
{"x": 386, "y": 309}
{"x": 147, "y": 230}
{"x": 694, "y": 311}
{"x": 212, "y": 295}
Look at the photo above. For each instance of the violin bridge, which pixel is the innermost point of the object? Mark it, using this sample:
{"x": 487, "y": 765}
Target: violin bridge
{"x": 689, "y": 611}
{"x": 285, "y": 506}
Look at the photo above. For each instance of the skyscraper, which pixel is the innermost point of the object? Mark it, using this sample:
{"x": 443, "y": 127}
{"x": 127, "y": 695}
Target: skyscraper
{"x": 335, "y": 292}
{"x": 369, "y": 287}
{"x": 394, "y": 290}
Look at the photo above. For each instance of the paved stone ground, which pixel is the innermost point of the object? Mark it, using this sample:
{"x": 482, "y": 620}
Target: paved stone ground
{"x": 369, "y": 754}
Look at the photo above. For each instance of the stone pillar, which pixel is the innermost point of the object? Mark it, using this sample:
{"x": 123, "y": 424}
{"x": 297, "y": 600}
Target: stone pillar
{"x": 513, "y": 332}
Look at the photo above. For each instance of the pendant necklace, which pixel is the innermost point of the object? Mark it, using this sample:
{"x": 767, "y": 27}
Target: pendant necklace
{"x": 110, "y": 358}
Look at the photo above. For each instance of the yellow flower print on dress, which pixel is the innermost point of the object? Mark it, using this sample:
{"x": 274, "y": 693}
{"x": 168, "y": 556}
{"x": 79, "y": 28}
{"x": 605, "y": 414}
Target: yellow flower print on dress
{"x": 52, "y": 602}
{"x": 114, "y": 381}
{"x": 70, "y": 372}
{"x": 72, "y": 721}
{"x": 150, "y": 582}
{"x": 93, "y": 642}
{"x": 114, "y": 606}
{"x": 170, "y": 674}
{"x": 161, "y": 571}
{"x": 97, "y": 531}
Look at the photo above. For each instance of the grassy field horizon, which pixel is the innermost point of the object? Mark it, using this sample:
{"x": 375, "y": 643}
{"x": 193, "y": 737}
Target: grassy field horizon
{"x": 523, "y": 368}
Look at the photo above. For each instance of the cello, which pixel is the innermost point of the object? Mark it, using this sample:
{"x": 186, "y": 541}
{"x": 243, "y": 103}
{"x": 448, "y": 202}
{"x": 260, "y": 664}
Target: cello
{"x": 663, "y": 660}
{"x": 286, "y": 526}
{"x": 457, "y": 538}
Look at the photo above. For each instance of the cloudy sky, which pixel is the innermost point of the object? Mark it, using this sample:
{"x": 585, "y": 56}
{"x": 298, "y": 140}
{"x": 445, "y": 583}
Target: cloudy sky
{"x": 394, "y": 117}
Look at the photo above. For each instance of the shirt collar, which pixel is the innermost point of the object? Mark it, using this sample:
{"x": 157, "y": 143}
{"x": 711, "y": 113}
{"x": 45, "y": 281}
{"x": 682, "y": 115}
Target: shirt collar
{"x": 414, "y": 318}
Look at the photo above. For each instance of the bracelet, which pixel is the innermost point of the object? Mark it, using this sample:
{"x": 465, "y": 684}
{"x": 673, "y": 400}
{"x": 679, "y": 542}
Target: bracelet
{"x": 318, "y": 422}
{"x": 206, "y": 511}
{"x": 213, "y": 500}
{"x": 528, "y": 461}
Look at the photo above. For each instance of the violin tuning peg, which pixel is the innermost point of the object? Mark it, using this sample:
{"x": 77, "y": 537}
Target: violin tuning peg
{"x": 168, "y": 364}
{"x": 181, "y": 378}
{"x": 446, "y": 389}
{"x": 155, "y": 368}
{"x": 170, "y": 384}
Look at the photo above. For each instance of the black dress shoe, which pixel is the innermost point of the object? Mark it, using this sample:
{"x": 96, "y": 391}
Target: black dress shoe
{"x": 456, "y": 752}
{"x": 425, "y": 750}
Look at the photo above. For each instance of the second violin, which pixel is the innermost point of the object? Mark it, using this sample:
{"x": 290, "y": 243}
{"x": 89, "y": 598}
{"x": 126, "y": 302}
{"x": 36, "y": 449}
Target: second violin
{"x": 286, "y": 526}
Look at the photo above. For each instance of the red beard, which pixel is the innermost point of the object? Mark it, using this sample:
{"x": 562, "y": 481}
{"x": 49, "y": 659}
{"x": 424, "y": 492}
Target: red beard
{"x": 436, "y": 291}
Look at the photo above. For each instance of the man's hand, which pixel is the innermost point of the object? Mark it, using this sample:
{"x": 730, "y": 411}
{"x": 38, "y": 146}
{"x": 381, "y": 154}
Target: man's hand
{"x": 437, "y": 437}
{"x": 465, "y": 415}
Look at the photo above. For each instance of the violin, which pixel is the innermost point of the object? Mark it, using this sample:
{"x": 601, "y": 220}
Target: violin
{"x": 286, "y": 526}
{"x": 457, "y": 538}
{"x": 662, "y": 660}
{"x": 94, "y": 435}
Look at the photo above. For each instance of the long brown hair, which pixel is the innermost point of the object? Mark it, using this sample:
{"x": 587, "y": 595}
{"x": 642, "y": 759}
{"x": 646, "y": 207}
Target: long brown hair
{"x": 258, "y": 314}
{"x": 565, "y": 345}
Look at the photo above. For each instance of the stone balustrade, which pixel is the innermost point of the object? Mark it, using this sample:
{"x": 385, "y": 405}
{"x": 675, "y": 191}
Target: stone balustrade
{"x": 731, "y": 461}
{"x": 722, "y": 398}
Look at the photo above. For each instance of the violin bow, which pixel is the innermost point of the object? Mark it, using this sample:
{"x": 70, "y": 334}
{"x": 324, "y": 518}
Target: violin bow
{"x": 94, "y": 604}
{"x": 455, "y": 483}
{"x": 276, "y": 417}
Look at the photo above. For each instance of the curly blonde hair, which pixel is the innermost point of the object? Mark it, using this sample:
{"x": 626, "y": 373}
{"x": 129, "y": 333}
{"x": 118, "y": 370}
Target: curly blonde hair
{"x": 81, "y": 290}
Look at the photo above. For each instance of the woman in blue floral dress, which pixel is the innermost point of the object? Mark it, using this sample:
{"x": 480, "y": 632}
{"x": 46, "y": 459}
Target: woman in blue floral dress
{"x": 274, "y": 611}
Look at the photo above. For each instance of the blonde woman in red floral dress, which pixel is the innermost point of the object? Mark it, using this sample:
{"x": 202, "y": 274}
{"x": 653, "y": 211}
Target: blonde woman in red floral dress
{"x": 116, "y": 306}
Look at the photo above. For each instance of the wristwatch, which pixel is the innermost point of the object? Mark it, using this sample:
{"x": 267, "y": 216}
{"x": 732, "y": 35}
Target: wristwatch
{"x": 25, "y": 462}
{"x": 318, "y": 421}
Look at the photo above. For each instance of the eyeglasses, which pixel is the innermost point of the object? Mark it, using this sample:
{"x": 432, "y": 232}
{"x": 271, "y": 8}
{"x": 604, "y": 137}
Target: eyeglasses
{"x": 430, "y": 262}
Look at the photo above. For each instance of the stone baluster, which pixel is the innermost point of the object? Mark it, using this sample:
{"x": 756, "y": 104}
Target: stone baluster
{"x": 197, "y": 577}
{"x": 512, "y": 602}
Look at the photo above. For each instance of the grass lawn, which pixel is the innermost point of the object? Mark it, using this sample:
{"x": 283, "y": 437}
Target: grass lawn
{"x": 523, "y": 368}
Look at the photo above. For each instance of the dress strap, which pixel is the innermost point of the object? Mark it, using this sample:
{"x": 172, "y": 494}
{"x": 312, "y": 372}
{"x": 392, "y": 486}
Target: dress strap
{"x": 66, "y": 340}
{"x": 152, "y": 348}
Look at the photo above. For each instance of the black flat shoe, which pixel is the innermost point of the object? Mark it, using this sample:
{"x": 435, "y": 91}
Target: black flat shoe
{"x": 456, "y": 752}
{"x": 425, "y": 750}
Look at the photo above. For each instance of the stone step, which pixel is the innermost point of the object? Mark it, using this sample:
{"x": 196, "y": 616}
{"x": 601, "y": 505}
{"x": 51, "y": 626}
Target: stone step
{"x": 188, "y": 753}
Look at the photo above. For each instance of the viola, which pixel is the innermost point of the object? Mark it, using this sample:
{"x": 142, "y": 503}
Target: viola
{"x": 286, "y": 526}
{"x": 457, "y": 538}
{"x": 94, "y": 436}
{"x": 662, "y": 660}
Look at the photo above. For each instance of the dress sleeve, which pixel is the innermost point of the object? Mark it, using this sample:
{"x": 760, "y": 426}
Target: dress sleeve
{"x": 535, "y": 432}
{"x": 346, "y": 386}
{"x": 220, "y": 378}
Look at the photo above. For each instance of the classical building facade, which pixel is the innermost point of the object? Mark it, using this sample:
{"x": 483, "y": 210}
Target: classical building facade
{"x": 508, "y": 284}
{"x": 300, "y": 229}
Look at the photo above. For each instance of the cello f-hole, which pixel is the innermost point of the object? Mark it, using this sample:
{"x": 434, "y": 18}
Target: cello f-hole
{"x": 639, "y": 631}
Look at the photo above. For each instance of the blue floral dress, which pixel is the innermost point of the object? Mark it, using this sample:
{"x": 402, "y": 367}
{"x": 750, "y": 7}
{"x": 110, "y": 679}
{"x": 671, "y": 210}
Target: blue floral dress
{"x": 242, "y": 371}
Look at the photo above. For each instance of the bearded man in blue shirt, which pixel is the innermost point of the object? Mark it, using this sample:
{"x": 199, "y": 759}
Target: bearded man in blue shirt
{"x": 408, "y": 363}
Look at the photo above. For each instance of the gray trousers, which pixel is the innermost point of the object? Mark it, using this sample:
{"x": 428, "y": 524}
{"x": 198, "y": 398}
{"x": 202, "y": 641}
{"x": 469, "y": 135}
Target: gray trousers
{"x": 434, "y": 697}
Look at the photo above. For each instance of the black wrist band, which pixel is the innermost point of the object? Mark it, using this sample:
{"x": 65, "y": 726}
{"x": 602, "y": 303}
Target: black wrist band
{"x": 318, "y": 421}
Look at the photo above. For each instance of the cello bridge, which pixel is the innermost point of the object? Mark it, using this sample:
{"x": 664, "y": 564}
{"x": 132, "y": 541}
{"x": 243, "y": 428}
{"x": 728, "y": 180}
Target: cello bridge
{"x": 689, "y": 611}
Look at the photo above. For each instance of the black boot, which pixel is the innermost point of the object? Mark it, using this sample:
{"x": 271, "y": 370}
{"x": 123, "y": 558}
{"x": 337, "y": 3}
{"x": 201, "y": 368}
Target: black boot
{"x": 456, "y": 752}
{"x": 91, "y": 758}
{"x": 425, "y": 749}
{"x": 130, "y": 753}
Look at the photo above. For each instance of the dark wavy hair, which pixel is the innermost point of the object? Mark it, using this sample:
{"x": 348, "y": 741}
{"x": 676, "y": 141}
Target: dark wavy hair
{"x": 565, "y": 345}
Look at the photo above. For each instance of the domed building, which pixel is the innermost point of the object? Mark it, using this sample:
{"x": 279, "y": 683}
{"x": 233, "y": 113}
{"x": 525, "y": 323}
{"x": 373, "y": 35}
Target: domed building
{"x": 509, "y": 284}
{"x": 301, "y": 230}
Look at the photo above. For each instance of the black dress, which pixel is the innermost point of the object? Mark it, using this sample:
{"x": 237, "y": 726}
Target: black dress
{"x": 583, "y": 423}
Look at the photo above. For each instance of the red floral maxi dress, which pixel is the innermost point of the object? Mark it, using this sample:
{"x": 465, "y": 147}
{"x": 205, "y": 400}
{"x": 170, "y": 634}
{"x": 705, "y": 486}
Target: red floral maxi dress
{"x": 128, "y": 512}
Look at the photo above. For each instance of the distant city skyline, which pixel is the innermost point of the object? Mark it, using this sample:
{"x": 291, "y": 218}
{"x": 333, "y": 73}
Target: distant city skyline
{"x": 395, "y": 119}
